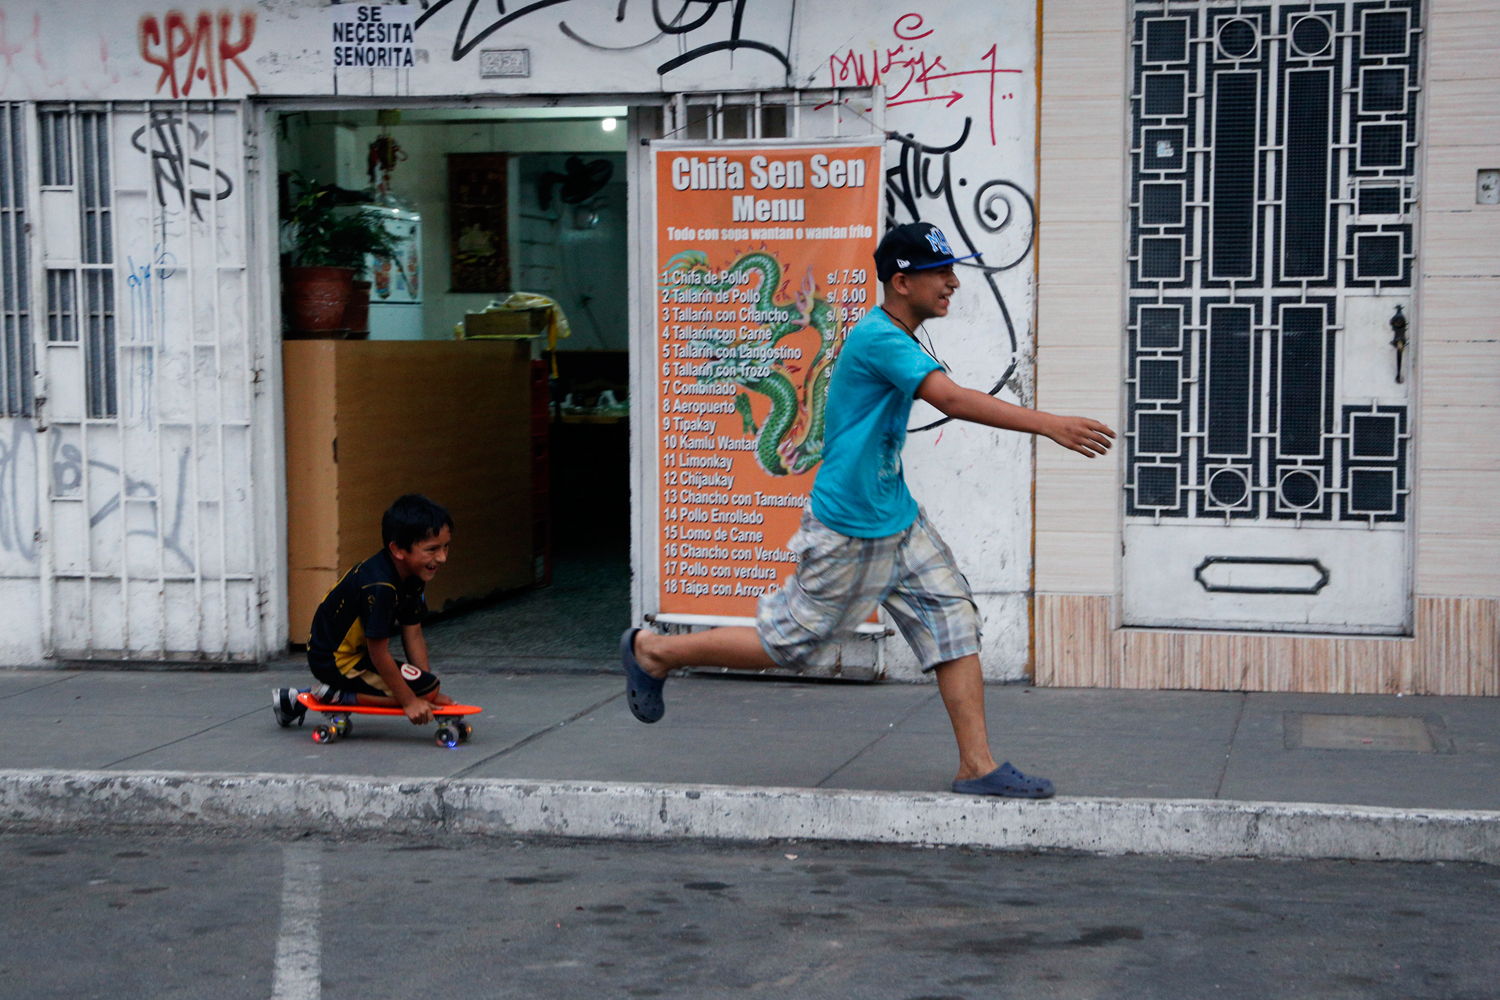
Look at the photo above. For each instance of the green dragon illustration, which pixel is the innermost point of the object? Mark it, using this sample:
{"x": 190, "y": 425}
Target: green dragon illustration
{"x": 790, "y": 440}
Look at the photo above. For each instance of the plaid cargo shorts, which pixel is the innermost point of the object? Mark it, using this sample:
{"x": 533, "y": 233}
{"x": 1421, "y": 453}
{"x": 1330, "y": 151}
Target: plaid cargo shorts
{"x": 840, "y": 580}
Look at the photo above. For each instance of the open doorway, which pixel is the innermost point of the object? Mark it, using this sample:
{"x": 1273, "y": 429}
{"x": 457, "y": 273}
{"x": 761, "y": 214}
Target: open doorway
{"x": 489, "y": 372}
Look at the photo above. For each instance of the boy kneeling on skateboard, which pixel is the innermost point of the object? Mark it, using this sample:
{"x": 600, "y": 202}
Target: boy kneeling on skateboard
{"x": 349, "y": 648}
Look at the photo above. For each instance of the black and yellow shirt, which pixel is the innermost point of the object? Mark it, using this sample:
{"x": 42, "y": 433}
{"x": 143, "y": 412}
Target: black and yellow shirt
{"x": 371, "y": 601}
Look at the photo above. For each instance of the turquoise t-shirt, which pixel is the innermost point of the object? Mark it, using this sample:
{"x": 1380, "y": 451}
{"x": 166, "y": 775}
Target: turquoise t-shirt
{"x": 860, "y": 490}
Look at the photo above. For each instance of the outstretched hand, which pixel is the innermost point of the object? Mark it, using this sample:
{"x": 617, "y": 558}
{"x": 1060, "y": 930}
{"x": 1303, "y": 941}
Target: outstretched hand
{"x": 1088, "y": 437}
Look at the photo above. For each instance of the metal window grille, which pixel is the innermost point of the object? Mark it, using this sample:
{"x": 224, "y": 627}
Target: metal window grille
{"x": 1272, "y": 181}
{"x": 98, "y": 254}
{"x": 16, "y": 363}
{"x": 75, "y": 155}
{"x": 778, "y": 114}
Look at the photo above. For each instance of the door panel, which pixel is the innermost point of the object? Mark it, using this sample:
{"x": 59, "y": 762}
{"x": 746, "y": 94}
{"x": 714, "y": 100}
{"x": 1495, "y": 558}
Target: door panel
{"x": 145, "y": 360}
{"x": 1273, "y": 201}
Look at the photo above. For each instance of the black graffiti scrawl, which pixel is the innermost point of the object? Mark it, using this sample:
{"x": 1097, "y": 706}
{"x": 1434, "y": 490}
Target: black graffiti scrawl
{"x": 173, "y": 163}
{"x": 997, "y": 223}
{"x": 691, "y": 16}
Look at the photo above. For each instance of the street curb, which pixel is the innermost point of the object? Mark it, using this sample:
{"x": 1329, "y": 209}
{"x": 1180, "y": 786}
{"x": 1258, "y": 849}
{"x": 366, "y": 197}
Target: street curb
{"x": 70, "y": 800}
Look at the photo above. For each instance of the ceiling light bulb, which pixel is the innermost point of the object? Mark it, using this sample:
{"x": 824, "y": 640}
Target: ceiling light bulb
{"x": 609, "y": 124}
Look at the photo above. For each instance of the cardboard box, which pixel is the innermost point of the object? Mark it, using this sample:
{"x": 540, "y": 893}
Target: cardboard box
{"x": 352, "y": 447}
{"x": 508, "y": 324}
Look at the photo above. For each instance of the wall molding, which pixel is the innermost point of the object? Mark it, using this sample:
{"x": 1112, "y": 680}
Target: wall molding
{"x": 1455, "y": 651}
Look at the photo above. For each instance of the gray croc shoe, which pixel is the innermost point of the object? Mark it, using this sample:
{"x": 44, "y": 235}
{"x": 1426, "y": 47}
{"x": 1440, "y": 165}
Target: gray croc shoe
{"x": 1007, "y": 781}
{"x": 642, "y": 691}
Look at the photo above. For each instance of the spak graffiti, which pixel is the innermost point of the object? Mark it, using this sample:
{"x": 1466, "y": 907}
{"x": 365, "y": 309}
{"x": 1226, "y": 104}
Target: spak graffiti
{"x": 208, "y": 43}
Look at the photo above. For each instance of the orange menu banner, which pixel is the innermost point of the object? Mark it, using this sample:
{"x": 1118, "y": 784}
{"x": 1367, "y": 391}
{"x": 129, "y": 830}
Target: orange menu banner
{"x": 764, "y": 262}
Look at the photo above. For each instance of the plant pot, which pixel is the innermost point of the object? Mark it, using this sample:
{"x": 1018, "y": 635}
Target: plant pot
{"x": 357, "y": 312}
{"x": 316, "y": 298}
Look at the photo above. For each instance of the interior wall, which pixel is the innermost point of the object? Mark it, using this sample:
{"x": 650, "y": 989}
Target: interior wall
{"x": 582, "y": 267}
{"x": 330, "y": 147}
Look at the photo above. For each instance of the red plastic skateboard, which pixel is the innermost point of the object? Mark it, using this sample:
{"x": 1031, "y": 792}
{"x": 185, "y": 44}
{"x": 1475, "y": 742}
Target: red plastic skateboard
{"x": 452, "y": 729}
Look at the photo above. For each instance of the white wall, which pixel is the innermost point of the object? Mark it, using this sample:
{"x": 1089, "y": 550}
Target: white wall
{"x": 21, "y": 462}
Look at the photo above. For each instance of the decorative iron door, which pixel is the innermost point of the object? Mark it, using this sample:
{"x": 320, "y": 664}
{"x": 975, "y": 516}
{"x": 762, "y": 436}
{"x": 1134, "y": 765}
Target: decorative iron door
{"x": 146, "y": 368}
{"x": 1273, "y": 204}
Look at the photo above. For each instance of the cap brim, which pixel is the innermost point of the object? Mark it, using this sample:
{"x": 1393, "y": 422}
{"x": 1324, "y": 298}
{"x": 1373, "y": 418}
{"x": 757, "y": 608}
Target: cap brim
{"x": 941, "y": 263}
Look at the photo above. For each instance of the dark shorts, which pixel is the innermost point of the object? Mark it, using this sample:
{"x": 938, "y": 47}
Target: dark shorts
{"x": 367, "y": 679}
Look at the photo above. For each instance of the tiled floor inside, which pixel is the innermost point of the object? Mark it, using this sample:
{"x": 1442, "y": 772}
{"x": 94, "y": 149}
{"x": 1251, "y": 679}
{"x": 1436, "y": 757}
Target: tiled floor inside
{"x": 573, "y": 624}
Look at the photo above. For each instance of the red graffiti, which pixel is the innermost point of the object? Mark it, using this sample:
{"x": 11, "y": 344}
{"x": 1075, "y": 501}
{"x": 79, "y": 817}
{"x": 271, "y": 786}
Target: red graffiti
{"x": 8, "y": 51}
{"x": 913, "y": 22}
{"x": 206, "y": 42}
{"x": 41, "y": 60}
{"x": 913, "y": 77}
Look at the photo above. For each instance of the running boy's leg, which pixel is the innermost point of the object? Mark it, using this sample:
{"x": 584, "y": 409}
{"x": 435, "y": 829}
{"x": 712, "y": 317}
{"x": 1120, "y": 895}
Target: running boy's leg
{"x": 961, "y": 683}
{"x": 935, "y": 611}
{"x": 838, "y": 583}
{"x": 735, "y": 648}
{"x": 932, "y": 605}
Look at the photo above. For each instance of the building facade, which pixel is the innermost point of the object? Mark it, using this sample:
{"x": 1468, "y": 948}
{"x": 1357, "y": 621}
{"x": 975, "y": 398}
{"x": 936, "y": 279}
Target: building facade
{"x": 1259, "y": 240}
{"x": 1332, "y": 164}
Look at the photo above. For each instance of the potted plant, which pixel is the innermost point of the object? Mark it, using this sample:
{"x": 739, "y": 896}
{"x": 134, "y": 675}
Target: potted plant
{"x": 329, "y": 245}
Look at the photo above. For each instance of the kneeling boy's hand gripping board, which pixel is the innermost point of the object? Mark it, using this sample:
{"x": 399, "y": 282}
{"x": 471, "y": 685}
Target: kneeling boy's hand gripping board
{"x": 452, "y": 729}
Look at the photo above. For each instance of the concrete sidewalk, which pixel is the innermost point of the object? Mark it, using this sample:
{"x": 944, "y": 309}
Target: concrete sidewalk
{"x": 1187, "y": 773}
{"x": 759, "y": 733}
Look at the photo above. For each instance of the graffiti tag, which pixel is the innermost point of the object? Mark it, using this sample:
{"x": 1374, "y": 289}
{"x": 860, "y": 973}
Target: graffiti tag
{"x": 68, "y": 466}
{"x": 1001, "y": 214}
{"x": 207, "y": 42}
{"x": 15, "y": 535}
{"x": 679, "y": 24}
{"x": 912, "y": 76}
{"x": 172, "y": 164}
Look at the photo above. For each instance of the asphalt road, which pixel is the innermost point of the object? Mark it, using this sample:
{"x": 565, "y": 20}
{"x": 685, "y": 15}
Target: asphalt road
{"x": 164, "y": 917}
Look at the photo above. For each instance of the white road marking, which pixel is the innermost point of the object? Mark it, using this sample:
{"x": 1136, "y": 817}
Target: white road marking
{"x": 299, "y": 973}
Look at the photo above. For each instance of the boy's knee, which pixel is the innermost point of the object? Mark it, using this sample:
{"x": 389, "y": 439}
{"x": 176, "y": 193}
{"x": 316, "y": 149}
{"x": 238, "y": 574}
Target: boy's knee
{"x": 421, "y": 682}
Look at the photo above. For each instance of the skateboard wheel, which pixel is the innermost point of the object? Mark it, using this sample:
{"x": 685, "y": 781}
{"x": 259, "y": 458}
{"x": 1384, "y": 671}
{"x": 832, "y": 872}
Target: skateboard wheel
{"x": 342, "y": 725}
{"x": 323, "y": 734}
{"x": 447, "y": 737}
{"x": 464, "y": 730}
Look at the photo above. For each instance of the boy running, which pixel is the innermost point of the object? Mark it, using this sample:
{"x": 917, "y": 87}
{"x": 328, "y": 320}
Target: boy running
{"x": 349, "y": 649}
{"x": 864, "y": 541}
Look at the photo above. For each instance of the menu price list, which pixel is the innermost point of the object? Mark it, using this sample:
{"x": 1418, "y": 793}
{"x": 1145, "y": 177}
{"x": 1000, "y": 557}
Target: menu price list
{"x": 750, "y": 320}
{"x": 714, "y": 538}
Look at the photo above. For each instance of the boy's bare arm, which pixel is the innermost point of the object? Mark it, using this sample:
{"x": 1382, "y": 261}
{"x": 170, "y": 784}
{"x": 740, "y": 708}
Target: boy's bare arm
{"x": 415, "y": 645}
{"x": 1080, "y": 434}
{"x": 416, "y": 709}
{"x": 416, "y": 654}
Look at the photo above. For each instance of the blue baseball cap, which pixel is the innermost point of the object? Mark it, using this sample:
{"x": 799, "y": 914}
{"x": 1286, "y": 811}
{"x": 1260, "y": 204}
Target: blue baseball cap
{"x": 916, "y": 246}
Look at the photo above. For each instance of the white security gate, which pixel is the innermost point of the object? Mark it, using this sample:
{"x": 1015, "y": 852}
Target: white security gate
{"x": 1273, "y": 207}
{"x": 145, "y": 382}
